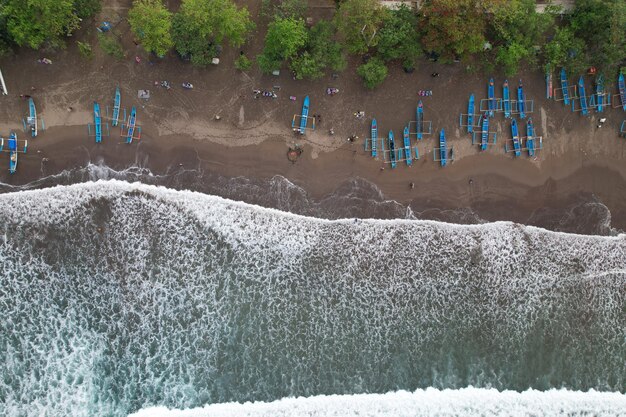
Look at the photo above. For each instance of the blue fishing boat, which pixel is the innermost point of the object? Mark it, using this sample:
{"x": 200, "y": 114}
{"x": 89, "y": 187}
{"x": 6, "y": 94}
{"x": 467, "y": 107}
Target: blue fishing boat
{"x": 491, "y": 94}
{"x": 31, "y": 120}
{"x": 521, "y": 101}
{"x": 304, "y": 116}
{"x": 583, "y": 98}
{"x": 622, "y": 90}
{"x": 530, "y": 137}
{"x": 443, "y": 150}
{"x": 484, "y": 134}
{"x": 97, "y": 122}
{"x": 600, "y": 93}
{"x": 132, "y": 120}
{"x": 564, "y": 86}
{"x": 506, "y": 99}
{"x": 419, "y": 121}
{"x": 407, "y": 146}
{"x": 392, "y": 150}
{"x": 13, "y": 153}
{"x": 116, "y": 107}
{"x": 374, "y": 137}
{"x": 470, "y": 114}
{"x": 515, "y": 133}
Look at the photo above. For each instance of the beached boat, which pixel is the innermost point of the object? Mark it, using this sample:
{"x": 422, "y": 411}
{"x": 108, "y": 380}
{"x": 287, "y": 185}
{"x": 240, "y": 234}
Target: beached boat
{"x": 506, "y": 100}
{"x": 530, "y": 137}
{"x": 470, "y": 114}
{"x": 116, "y": 106}
{"x": 443, "y": 150}
{"x": 13, "y": 153}
{"x": 132, "y": 120}
{"x": 304, "y": 117}
{"x": 407, "y": 146}
{"x": 564, "y": 86}
{"x": 521, "y": 101}
{"x": 515, "y": 134}
{"x": 97, "y": 122}
{"x": 374, "y": 137}
{"x": 32, "y": 117}
{"x": 419, "y": 121}
{"x": 491, "y": 94}
{"x": 583, "y": 98}
{"x": 392, "y": 150}
{"x": 622, "y": 90}
{"x": 484, "y": 134}
{"x": 600, "y": 93}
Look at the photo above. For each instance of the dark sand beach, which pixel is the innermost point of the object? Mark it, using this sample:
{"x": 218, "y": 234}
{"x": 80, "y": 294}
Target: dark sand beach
{"x": 577, "y": 176}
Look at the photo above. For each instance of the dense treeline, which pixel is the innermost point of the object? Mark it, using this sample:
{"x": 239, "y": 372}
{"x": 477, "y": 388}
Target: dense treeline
{"x": 480, "y": 33}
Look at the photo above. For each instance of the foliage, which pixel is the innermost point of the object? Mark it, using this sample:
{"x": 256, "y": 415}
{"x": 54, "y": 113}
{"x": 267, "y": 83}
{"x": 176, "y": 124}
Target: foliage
{"x": 602, "y": 25}
{"x": 110, "y": 45}
{"x": 320, "y": 52}
{"x": 373, "y": 72}
{"x": 285, "y": 37}
{"x": 358, "y": 21}
{"x": 200, "y": 25}
{"x": 243, "y": 63}
{"x": 453, "y": 28}
{"x": 397, "y": 39}
{"x": 85, "y": 50}
{"x": 36, "y": 22}
{"x": 565, "y": 49}
{"x": 151, "y": 22}
{"x": 284, "y": 8}
{"x": 87, "y": 8}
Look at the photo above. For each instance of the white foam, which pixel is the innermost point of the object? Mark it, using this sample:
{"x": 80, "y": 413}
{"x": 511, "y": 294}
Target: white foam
{"x": 430, "y": 402}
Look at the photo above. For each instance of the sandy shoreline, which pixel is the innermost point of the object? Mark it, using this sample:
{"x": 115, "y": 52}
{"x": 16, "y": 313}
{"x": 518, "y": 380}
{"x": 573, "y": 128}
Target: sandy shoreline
{"x": 579, "y": 162}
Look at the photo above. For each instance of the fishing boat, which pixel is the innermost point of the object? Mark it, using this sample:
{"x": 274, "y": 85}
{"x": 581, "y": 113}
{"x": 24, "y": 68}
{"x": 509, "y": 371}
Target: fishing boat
{"x": 13, "y": 153}
{"x": 506, "y": 99}
{"x": 600, "y": 93}
{"x": 304, "y": 116}
{"x": 470, "y": 114}
{"x": 374, "y": 137}
{"x": 530, "y": 137}
{"x": 622, "y": 90}
{"x": 97, "y": 122}
{"x": 116, "y": 107}
{"x": 583, "y": 98}
{"x": 419, "y": 123}
{"x": 564, "y": 86}
{"x": 32, "y": 117}
{"x": 443, "y": 150}
{"x": 484, "y": 134}
{"x": 515, "y": 133}
{"x": 521, "y": 101}
{"x": 407, "y": 146}
{"x": 492, "y": 99}
{"x": 132, "y": 120}
{"x": 392, "y": 150}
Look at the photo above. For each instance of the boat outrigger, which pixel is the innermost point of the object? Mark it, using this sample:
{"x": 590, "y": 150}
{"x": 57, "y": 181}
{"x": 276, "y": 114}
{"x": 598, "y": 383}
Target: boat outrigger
{"x": 583, "y": 98}
{"x": 14, "y": 148}
{"x": 392, "y": 150}
{"x": 530, "y": 137}
{"x": 622, "y": 90}
{"x": 470, "y": 114}
{"x": 116, "y": 107}
{"x": 491, "y": 97}
{"x": 506, "y": 99}
{"x": 419, "y": 121}
{"x": 407, "y": 147}
{"x": 521, "y": 101}
{"x": 564, "y": 86}
{"x": 374, "y": 137}
{"x": 304, "y": 118}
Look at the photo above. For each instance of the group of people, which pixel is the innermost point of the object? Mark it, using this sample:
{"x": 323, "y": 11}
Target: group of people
{"x": 264, "y": 93}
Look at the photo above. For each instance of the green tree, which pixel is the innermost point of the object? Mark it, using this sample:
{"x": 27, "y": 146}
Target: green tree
{"x": 285, "y": 37}
{"x": 397, "y": 39}
{"x": 453, "y": 28}
{"x": 151, "y": 22}
{"x": 358, "y": 21}
{"x": 284, "y": 8}
{"x": 565, "y": 50}
{"x": 87, "y": 8}
{"x": 320, "y": 52}
{"x": 201, "y": 24}
{"x": 36, "y": 22}
{"x": 373, "y": 72}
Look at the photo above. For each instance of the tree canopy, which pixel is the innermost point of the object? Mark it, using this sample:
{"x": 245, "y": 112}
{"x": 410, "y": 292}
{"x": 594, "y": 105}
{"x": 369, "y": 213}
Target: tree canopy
{"x": 319, "y": 53}
{"x": 358, "y": 22}
{"x": 285, "y": 37}
{"x": 397, "y": 38}
{"x": 151, "y": 22}
{"x": 373, "y": 72}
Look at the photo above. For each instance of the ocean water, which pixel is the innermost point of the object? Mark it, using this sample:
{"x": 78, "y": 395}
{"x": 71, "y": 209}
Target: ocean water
{"x": 122, "y": 298}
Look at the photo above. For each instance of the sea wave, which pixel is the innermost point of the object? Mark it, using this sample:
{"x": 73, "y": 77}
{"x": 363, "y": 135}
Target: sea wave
{"x": 117, "y": 297}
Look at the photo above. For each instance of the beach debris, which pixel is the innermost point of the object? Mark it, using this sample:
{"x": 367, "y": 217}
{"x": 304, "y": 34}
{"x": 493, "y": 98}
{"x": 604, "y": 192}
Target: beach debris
{"x": 137, "y": 59}
{"x": 104, "y": 27}
{"x": 187, "y": 85}
{"x": 4, "y": 86}
{"x": 331, "y": 91}
{"x": 264, "y": 93}
{"x": 359, "y": 114}
{"x": 331, "y": 131}
{"x": 218, "y": 117}
{"x": 425, "y": 93}
{"x": 292, "y": 98}
{"x": 144, "y": 94}
{"x": 434, "y": 74}
{"x": 411, "y": 185}
{"x": 44, "y": 61}
{"x": 294, "y": 153}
